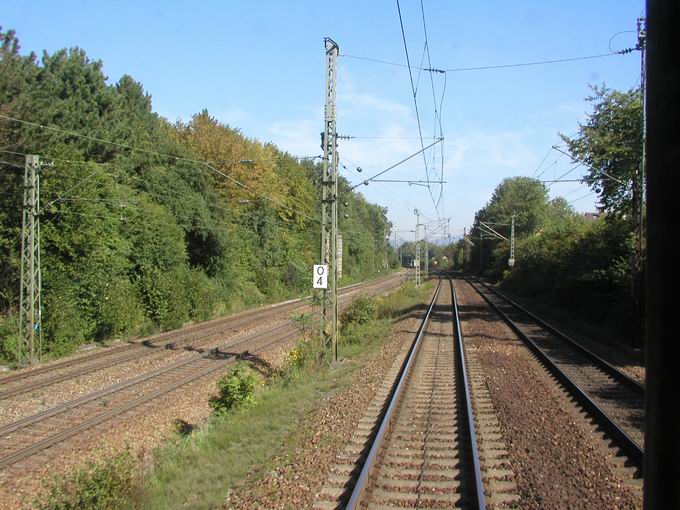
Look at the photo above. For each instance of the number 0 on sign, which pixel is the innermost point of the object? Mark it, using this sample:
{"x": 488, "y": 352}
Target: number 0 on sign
{"x": 320, "y": 276}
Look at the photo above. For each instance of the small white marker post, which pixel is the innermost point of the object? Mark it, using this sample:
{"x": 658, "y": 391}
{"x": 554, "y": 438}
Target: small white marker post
{"x": 320, "y": 277}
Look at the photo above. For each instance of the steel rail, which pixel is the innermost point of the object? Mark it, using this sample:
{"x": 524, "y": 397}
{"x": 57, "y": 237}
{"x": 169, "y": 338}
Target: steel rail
{"x": 369, "y": 466}
{"x": 71, "y": 404}
{"x": 134, "y": 403}
{"x": 224, "y": 323}
{"x": 81, "y": 427}
{"x": 145, "y": 376}
{"x": 127, "y": 406}
{"x": 628, "y": 444}
{"x": 601, "y": 363}
{"x": 470, "y": 420}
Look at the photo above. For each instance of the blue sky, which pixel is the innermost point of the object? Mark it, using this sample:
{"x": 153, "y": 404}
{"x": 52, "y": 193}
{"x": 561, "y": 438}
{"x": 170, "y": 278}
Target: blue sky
{"x": 259, "y": 66}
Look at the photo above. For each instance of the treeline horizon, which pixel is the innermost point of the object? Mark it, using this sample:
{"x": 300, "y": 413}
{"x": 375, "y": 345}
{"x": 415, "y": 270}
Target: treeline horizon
{"x": 592, "y": 269}
{"x": 172, "y": 222}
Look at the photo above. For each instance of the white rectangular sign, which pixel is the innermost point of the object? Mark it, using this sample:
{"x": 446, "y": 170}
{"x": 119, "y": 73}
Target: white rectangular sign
{"x": 320, "y": 276}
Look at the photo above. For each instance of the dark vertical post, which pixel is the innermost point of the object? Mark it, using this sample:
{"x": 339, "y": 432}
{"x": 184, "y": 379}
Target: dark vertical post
{"x": 662, "y": 418}
{"x": 481, "y": 251}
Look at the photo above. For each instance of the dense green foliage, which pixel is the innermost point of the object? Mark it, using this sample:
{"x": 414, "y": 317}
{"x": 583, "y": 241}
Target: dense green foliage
{"x": 141, "y": 234}
{"x": 579, "y": 264}
{"x": 110, "y": 484}
{"x": 610, "y": 144}
{"x": 235, "y": 389}
{"x": 360, "y": 311}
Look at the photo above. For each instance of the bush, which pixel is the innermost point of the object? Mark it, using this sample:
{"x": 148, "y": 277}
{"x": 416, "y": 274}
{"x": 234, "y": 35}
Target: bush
{"x": 9, "y": 338}
{"x": 234, "y": 390}
{"x": 360, "y": 311}
{"x": 108, "y": 485}
{"x": 301, "y": 356}
{"x": 305, "y": 323}
{"x": 65, "y": 327}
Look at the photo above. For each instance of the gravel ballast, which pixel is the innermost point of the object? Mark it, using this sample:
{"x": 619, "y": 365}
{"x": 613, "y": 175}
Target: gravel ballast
{"x": 300, "y": 475}
{"x": 558, "y": 458}
{"x": 139, "y": 430}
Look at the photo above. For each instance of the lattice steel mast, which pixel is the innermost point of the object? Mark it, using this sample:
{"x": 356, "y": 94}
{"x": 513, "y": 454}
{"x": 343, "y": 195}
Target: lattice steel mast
{"x": 427, "y": 255}
{"x": 30, "y": 327}
{"x": 329, "y": 202}
{"x": 417, "y": 262}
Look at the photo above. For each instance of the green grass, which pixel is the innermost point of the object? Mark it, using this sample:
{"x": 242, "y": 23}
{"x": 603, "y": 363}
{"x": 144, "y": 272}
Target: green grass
{"x": 197, "y": 470}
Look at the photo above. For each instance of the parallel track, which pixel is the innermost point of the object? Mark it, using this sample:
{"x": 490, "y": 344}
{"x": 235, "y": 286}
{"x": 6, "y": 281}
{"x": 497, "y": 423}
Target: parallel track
{"x": 30, "y": 380}
{"x": 424, "y": 453}
{"x": 613, "y": 398}
{"x": 31, "y": 435}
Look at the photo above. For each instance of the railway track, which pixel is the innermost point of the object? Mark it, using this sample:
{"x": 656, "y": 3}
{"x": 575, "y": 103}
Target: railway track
{"x": 424, "y": 453}
{"x": 197, "y": 335}
{"x": 24, "y": 438}
{"x": 613, "y": 398}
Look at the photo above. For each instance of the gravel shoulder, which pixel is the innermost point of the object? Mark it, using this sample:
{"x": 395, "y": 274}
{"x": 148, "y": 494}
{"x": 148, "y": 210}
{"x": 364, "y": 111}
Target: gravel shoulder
{"x": 623, "y": 357}
{"x": 140, "y": 430}
{"x": 205, "y": 335}
{"x": 558, "y": 458}
{"x": 299, "y": 476}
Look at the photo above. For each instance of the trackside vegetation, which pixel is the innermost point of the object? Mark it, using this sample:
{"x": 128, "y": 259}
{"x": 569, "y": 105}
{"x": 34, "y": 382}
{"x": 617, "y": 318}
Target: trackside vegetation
{"x": 584, "y": 266}
{"x": 174, "y": 222}
{"x": 197, "y": 469}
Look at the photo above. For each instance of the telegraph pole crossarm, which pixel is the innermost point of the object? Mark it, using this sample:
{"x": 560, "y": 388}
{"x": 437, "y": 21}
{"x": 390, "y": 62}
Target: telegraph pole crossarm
{"x": 493, "y": 232}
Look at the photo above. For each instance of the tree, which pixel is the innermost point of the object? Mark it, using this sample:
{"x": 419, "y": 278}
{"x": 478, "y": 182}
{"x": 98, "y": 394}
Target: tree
{"x": 139, "y": 234}
{"x": 523, "y": 197}
{"x": 610, "y": 143}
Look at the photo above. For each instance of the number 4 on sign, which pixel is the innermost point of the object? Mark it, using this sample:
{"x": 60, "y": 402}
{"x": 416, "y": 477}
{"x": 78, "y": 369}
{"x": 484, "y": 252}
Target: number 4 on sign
{"x": 320, "y": 276}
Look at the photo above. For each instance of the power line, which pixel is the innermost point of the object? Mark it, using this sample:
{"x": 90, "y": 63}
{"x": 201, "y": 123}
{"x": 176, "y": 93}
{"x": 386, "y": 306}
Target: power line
{"x": 415, "y": 102}
{"x": 584, "y": 196}
{"x": 166, "y": 193}
{"x": 422, "y": 151}
{"x": 542, "y": 161}
{"x": 497, "y": 66}
{"x": 349, "y": 137}
{"x": 15, "y": 165}
{"x": 142, "y": 190}
{"x": 564, "y": 175}
{"x": 384, "y": 190}
{"x": 554, "y": 165}
{"x": 437, "y": 114}
{"x": 177, "y": 158}
{"x": 574, "y": 190}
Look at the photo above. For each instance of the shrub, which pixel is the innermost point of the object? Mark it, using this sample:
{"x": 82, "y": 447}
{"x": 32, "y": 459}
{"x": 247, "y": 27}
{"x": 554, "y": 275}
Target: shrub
{"x": 360, "y": 311}
{"x": 9, "y": 338}
{"x": 234, "y": 390}
{"x": 304, "y": 322}
{"x": 301, "y": 356}
{"x": 109, "y": 484}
